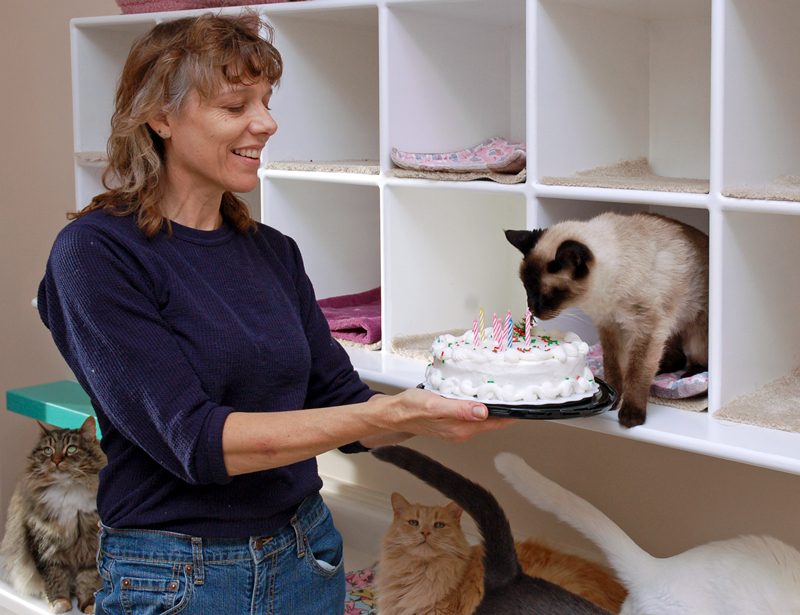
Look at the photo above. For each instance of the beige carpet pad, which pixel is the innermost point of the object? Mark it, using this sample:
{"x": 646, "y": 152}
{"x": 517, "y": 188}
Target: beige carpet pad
{"x": 629, "y": 175}
{"x": 776, "y": 405}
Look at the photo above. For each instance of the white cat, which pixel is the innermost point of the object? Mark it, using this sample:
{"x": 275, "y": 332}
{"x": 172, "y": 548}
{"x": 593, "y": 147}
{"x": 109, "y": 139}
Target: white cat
{"x": 748, "y": 575}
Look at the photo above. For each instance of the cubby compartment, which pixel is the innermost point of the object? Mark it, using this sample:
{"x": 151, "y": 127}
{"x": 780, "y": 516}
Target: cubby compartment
{"x": 761, "y": 143}
{"x": 623, "y": 94}
{"x": 336, "y": 226}
{"x": 327, "y": 103}
{"x": 456, "y": 74}
{"x": 99, "y": 50}
{"x": 447, "y": 257}
{"x": 760, "y": 339}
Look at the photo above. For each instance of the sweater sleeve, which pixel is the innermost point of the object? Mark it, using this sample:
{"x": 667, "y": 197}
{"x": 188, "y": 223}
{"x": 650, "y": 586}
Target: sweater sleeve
{"x": 103, "y": 313}
{"x": 333, "y": 380}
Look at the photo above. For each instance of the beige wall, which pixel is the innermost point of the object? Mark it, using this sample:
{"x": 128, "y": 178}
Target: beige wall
{"x": 36, "y": 190}
{"x": 667, "y": 500}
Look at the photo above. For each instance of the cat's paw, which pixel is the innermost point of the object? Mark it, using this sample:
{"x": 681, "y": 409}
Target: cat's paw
{"x": 89, "y": 608}
{"x": 631, "y": 415}
{"x": 61, "y": 605}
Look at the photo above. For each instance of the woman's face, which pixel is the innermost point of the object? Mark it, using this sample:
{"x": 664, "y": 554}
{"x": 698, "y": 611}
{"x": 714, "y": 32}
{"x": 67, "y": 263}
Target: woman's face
{"x": 215, "y": 145}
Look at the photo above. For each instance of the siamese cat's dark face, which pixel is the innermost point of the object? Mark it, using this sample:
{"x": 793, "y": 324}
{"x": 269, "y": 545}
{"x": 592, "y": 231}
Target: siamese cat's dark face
{"x": 555, "y": 274}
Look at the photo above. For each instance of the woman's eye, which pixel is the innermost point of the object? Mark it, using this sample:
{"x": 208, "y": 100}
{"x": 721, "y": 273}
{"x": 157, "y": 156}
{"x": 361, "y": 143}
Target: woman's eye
{"x": 438, "y": 525}
{"x": 72, "y": 449}
{"x": 237, "y": 109}
{"x": 413, "y": 522}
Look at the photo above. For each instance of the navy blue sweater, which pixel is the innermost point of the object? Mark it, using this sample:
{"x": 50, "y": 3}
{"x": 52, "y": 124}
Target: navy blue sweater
{"x": 168, "y": 336}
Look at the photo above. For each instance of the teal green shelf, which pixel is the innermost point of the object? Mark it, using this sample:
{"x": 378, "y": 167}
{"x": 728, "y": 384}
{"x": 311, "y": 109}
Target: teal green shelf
{"x": 62, "y": 404}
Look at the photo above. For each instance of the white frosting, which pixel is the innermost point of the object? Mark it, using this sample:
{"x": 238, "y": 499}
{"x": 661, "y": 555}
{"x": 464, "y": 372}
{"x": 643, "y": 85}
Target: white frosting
{"x": 553, "y": 366}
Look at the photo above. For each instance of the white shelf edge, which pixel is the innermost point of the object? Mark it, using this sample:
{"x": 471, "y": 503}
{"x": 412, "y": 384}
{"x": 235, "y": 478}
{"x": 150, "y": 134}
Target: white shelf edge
{"x": 696, "y": 432}
{"x": 476, "y": 185}
{"x": 759, "y": 206}
{"x": 619, "y": 195}
{"x": 359, "y": 179}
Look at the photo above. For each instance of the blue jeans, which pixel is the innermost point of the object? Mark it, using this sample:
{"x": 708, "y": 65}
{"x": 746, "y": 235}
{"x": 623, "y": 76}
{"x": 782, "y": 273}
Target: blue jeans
{"x": 298, "y": 570}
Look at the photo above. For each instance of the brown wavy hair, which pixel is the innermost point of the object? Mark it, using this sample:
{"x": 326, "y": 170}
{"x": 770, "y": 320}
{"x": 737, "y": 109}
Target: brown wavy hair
{"x": 171, "y": 60}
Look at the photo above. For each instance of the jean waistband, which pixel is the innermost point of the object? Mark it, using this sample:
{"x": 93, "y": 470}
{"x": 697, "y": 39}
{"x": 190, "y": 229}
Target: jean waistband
{"x": 182, "y": 548}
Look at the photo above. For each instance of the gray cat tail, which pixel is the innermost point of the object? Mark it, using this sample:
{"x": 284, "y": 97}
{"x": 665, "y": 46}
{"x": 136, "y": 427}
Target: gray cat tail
{"x": 625, "y": 556}
{"x": 499, "y": 556}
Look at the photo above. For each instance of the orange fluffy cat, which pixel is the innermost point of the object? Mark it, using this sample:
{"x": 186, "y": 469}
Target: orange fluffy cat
{"x": 427, "y": 567}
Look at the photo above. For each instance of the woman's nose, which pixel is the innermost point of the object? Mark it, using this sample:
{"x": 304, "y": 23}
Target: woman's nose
{"x": 264, "y": 123}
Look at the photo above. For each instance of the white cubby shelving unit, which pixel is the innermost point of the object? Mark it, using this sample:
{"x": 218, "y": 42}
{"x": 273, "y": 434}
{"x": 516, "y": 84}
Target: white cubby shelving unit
{"x": 703, "y": 89}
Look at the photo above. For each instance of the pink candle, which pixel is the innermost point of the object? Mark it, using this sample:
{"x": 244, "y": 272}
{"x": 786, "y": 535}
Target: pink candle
{"x": 497, "y": 330}
{"x": 528, "y": 328}
{"x": 475, "y": 333}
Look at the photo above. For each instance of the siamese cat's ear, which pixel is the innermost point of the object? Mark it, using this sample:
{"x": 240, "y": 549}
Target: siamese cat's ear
{"x": 573, "y": 255}
{"x": 524, "y": 241}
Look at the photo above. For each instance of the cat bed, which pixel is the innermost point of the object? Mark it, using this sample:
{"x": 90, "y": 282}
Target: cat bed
{"x": 666, "y": 389}
{"x": 776, "y": 405}
{"x": 629, "y": 175}
{"x": 355, "y": 318}
{"x": 496, "y": 155}
{"x": 153, "y": 6}
{"x": 784, "y": 188}
{"x": 664, "y": 386}
{"x": 363, "y": 166}
{"x": 360, "y": 592}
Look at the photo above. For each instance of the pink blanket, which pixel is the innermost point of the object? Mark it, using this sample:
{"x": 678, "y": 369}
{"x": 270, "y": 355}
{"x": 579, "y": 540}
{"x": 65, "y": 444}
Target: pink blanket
{"x": 356, "y": 318}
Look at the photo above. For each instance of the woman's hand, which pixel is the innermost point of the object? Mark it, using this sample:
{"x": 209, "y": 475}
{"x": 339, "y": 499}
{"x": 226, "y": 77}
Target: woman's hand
{"x": 420, "y": 412}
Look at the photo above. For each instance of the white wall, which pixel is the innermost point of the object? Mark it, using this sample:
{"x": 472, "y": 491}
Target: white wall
{"x": 667, "y": 500}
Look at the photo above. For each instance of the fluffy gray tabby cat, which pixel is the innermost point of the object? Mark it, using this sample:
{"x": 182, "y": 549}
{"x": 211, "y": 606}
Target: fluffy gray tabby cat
{"x": 50, "y": 544}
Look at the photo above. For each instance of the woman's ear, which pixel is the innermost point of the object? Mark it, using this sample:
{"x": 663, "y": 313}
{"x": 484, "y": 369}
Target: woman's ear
{"x": 160, "y": 126}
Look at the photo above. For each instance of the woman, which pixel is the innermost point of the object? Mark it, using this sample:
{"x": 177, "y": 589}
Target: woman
{"x": 197, "y": 335}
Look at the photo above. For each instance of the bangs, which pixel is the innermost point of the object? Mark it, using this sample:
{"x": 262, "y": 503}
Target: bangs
{"x": 237, "y": 56}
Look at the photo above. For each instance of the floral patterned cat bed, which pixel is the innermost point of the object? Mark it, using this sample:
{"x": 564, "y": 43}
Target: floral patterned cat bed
{"x": 497, "y": 155}
{"x": 664, "y": 386}
{"x": 360, "y": 592}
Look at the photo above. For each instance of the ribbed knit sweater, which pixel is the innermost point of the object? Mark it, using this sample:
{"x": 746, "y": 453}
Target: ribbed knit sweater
{"x": 171, "y": 334}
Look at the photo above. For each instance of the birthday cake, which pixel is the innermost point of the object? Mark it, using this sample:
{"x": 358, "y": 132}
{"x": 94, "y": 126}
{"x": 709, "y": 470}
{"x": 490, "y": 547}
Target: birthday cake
{"x": 541, "y": 366}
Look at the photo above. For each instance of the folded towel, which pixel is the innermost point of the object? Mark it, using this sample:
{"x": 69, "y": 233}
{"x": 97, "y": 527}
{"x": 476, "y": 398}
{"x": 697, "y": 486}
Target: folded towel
{"x": 354, "y": 317}
{"x": 495, "y": 154}
{"x": 155, "y": 6}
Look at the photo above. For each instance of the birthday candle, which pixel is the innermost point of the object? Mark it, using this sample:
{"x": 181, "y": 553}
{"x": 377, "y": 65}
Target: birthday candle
{"x": 475, "y": 335}
{"x": 497, "y": 330}
{"x": 480, "y": 322}
{"x": 528, "y": 328}
{"x": 509, "y": 328}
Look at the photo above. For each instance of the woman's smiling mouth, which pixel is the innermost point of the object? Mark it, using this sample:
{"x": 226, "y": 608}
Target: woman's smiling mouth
{"x": 248, "y": 153}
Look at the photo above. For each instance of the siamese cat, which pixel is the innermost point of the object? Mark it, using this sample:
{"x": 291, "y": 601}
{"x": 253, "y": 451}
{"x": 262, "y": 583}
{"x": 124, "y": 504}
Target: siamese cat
{"x": 642, "y": 279}
{"x": 746, "y": 575}
{"x": 507, "y": 590}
